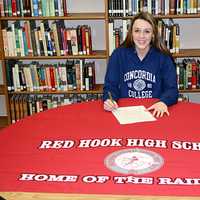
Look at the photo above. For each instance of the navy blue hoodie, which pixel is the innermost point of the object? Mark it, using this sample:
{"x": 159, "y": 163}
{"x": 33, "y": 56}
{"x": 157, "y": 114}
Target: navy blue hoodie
{"x": 129, "y": 77}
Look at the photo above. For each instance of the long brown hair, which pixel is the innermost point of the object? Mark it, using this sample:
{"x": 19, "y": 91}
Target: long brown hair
{"x": 156, "y": 40}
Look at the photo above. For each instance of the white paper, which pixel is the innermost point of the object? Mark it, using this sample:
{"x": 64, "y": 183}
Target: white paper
{"x": 132, "y": 114}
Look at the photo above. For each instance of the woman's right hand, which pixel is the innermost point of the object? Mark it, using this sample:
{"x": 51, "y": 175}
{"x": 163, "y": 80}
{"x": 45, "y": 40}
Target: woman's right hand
{"x": 110, "y": 105}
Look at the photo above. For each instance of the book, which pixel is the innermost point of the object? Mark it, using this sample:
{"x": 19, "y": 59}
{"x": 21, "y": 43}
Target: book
{"x": 56, "y": 38}
{"x": 33, "y": 41}
{"x": 29, "y": 39}
{"x": 74, "y": 42}
{"x": 12, "y": 109}
{"x": 172, "y": 7}
{"x": 65, "y": 7}
{"x": 43, "y": 26}
{"x": 2, "y": 12}
{"x": 194, "y": 75}
{"x": 5, "y": 39}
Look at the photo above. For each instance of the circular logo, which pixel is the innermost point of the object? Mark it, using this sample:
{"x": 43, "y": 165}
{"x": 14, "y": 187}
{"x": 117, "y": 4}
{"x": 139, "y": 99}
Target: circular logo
{"x": 139, "y": 84}
{"x": 134, "y": 161}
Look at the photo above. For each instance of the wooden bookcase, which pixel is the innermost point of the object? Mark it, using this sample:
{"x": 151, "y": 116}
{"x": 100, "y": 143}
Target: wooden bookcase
{"x": 4, "y": 120}
{"x": 71, "y": 16}
{"x": 183, "y": 53}
{"x": 96, "y": 55}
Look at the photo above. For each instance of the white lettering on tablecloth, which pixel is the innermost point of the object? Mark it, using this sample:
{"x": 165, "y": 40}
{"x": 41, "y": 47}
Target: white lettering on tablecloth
{"x": 119, "y": 142}
{"x": 186, "y": 145}
{"x": 95, "y": 179}
{"x": 102, "y": 179}
{"x": 133, "y": 180}
{"x": 146, "y": 143}
{"x": 57, "y": 144}
{"x": 100, "y": 143}
{"x": 178, "y": 181}
{"x": 48, "y": 177}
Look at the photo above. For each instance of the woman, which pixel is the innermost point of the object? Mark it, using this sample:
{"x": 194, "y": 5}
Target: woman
{"x": 141, "y": 67}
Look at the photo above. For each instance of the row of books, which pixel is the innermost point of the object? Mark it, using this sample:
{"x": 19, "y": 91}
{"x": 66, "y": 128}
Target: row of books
{"x": 27, "y": 39}
{"x": 26, "y": 105}
{"x": 183, "y": 97}
{"x": 72, "y": 75}
{"x": 28, "y": 8}
{"x": 117, "y": 33}
{"x": 121, "y": 8}
{"x": 188, "y": 74}
{"x": 169, "y": 32}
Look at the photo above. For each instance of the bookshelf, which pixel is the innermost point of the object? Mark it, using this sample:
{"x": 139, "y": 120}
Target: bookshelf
{"x": 3, "y": 101}
{"x": 80, "y": 13}
{"x": 189, "y": 47}
{"x": 4, "y": 116}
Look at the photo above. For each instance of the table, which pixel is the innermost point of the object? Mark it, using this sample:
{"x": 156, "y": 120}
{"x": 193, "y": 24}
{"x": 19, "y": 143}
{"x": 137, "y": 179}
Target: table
{"x": 62, "y": 154}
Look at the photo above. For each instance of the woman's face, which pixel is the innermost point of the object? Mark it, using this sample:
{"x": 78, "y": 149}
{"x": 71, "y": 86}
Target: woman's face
{"x": 142, "y": 33}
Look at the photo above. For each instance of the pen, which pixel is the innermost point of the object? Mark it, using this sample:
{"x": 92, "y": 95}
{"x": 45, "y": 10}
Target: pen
{"x": 111, "y": 99}
{"x": 110, "y": 96}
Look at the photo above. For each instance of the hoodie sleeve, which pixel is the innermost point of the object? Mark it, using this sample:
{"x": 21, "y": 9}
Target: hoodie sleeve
{"x": 169, "y": 82}
{"x": 112, "y": 77}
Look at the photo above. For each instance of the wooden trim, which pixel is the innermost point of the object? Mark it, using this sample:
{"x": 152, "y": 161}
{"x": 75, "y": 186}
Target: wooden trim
{"x": 97, "y": 90}
{"x": 59, "y": 196}
{"x": 3, "y": 121}
{"x": 5, "y": 91}
{"x": 190, "y": 91}
{"x": 98, "y": 54}
{"x": 178, "y": 16}
{"x": 1, "y": 44}
{"x": 101, "y": 54}
{"x": 70, "y": 16}
{"x": 2, "y": 89}
{"x": 187, "y": 53}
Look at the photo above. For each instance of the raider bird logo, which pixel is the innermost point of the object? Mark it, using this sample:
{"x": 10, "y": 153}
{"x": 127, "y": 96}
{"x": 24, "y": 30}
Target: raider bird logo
{"x": 134, "y": 161}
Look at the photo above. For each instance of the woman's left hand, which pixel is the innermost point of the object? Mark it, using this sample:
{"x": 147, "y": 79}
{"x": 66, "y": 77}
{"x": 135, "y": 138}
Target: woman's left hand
{"x": 159, "y": 109}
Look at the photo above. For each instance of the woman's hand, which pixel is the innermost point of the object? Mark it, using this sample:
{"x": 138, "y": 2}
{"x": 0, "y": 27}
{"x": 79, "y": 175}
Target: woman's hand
{"x": 110, "y": 105}
{"x": 159, "y": 109}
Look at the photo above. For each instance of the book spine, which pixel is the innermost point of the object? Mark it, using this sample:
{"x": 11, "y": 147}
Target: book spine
{"x": 194, "y": 75}
{"x": 83, "y": 39}
{"x": 5, "y": 42}
{"x": 5, "y": 4}
{"x": 27, "y": 29}
{"x": 172, "y": 7}
{"x": 56, "y": 11}
{"x": 74, "y": 42}
{"x": 55, "y": 36}
{"x": 2, "y": 12}
{"x": 13, "y": 39}
{"x": 52, "y": 78}
{"x": 44, "y": 7}
{"x": 35, "y": 8}
{"x": 12, "y": 109}
{"x": 14, "y": 8}
{"x": 41, "y": 43}
{"x": 79, "y": 40}
{"x": 65, "y": 7}
{"x": 44, "y": 42}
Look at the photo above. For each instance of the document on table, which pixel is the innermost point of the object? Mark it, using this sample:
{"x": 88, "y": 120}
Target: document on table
{"x": 132, "y": 114}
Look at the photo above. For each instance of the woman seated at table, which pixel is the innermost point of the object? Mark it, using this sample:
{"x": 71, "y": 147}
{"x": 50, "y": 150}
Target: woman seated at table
{"x": 142, "y": 67}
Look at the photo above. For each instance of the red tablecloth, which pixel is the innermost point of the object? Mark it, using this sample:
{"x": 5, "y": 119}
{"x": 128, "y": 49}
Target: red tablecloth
{"x": 87, "y": 135}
